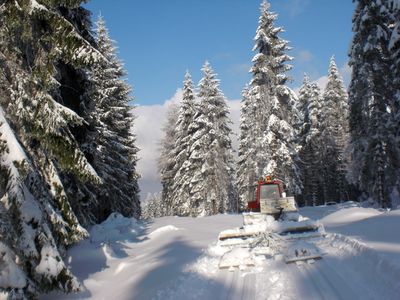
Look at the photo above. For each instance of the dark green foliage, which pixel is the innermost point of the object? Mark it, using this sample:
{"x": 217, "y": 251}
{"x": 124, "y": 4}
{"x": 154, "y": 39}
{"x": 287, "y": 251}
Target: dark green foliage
{"x": 111, "y": 143}
{"x": 166, "y": 163}
{"x": 373, "y": 109}
{"x": 47, "y": 182}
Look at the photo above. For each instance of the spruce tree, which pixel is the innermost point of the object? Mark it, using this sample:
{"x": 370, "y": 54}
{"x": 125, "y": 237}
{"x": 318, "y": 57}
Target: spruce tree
{"x": 394, "y": 49}
{"x": 306, "y": 152}
{"x": 183, "y": 169}
{"x": 302, "y": 104}
{"x": 33, "y": 232}
{"x": 166, "y": 160}
{"x": 310, "y": 141}
{"x": 375, "y": 161}
{"x": 212, "y": 188}
{"x": 245, "y": 172}
{"x": 153, "y": 207}
{"x": 275, "y": 148}
{"x": 112, "y": 145}
{"x": 335, "y": 118}
{"x": 45, "y": 52}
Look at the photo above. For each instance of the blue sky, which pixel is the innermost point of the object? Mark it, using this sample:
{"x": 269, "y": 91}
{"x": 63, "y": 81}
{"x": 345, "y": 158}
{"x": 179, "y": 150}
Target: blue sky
{"x": 160, "y": 39}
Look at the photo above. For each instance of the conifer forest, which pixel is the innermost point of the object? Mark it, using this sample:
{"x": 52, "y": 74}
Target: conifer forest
{"x": 69, "y": 154}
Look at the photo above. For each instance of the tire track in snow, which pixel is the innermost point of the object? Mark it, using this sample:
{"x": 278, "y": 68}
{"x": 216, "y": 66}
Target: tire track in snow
{"x": 249, "y": 286}
{"x": 236, "y": 286}
{"x": 230, "y": 288}
{"x": 360, "y": 262}
{"x": 324, "y": 285}
{"x": 337, "y": 282}
{"x": 308, "y": 278}
{"x": 293, "y": 275}
{"x": 226, "y": 280}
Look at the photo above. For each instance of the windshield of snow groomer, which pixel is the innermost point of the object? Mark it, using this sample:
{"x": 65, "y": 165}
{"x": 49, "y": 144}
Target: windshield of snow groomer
{"x": 269, "y": 191}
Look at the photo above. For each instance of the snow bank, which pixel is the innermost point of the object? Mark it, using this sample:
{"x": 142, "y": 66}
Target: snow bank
{"x": 367, "y": 261}
{"x": 162, "y": 230}
{"x": 350, "y": 215}
{"x": 115, "y": 228}
{"x": 321, "y": 211}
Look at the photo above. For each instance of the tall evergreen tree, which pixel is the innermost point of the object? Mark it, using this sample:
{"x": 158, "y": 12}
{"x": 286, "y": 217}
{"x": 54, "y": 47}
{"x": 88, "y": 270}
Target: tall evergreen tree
{"x": 112, "y": 145}
{"x": 375, "y": 161}
{"x": 45, "y": 52}
{"x": 394, "y": 51}
{"x": 31, "y": 244}
{"x": 302, "y": 104}
{"x": 211, "y": 151}
{"x": 310, "y": 141}
{"x": 275, "y": 151}
{"x": 335, "y": 119}
{"x": 166, "y": 161}
{"x": 305, "y": 153}
{"x": 245, "y": 172}
{"x": 153, "y": 207}
{"x": 183, "y": 169}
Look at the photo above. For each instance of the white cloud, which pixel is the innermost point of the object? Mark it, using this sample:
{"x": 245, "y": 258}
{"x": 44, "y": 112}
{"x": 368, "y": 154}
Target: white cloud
{"x": 234, "y": 107}
{"x": 296, "y": 7}
{"x": 321, "y": 82}
{"x": 304, "y": 56}
{"x": 148, "y": 129}
{"x": 345, "y": 71}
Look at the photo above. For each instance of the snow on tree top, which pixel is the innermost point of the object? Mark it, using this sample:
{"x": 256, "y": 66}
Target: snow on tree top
{"x": 36, "y": 6}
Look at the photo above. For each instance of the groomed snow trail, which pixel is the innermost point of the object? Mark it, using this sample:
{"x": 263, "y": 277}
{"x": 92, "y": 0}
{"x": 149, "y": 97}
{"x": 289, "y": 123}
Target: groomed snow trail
{"x": 175, "y": 258}
{"x": 348, "y": 270}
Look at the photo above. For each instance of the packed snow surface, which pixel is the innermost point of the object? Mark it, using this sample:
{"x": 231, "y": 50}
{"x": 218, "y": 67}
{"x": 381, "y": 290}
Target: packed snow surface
{"x": 178, "y": 258}
{"x": 162, "y": 230}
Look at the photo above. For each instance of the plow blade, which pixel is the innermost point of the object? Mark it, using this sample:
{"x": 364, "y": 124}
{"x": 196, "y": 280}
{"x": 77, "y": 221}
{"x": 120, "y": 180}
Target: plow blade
{"x": 298, "y": 228}
{"x": 301, "y": 251}
{"x": 239, "y": 233}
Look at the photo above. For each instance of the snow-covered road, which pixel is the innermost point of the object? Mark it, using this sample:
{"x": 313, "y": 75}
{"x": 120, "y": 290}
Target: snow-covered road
{"x": 348, "y": 270}
{"x": 174, "y": 258}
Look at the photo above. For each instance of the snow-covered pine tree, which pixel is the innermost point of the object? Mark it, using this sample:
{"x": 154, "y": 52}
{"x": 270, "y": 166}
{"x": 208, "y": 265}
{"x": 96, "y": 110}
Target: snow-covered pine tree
{"x": 335, "y": 119}
{"x": 180, "y": 204}
{"x": 45, "y": 50}
{"x": 31, "y": 228}
{"x": 305, "y": 153}
{"x": 212, "y": 187}
{"x": 310, "y": 141}
{"x": 245, "y": 171}
{"x": 375, "y": 153}
{"x": 302, "y": 104}
{"x": 153, "y": 207}
{"x": 273, "y": 105}
{"x": 394, "y": 48}
{"x": 112, "y": 145}
{"x": 37, "y": 88}
{"x": 36, "y": 92}
{"x": 314, "y": 141}
{"x": 166, "y": 161}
